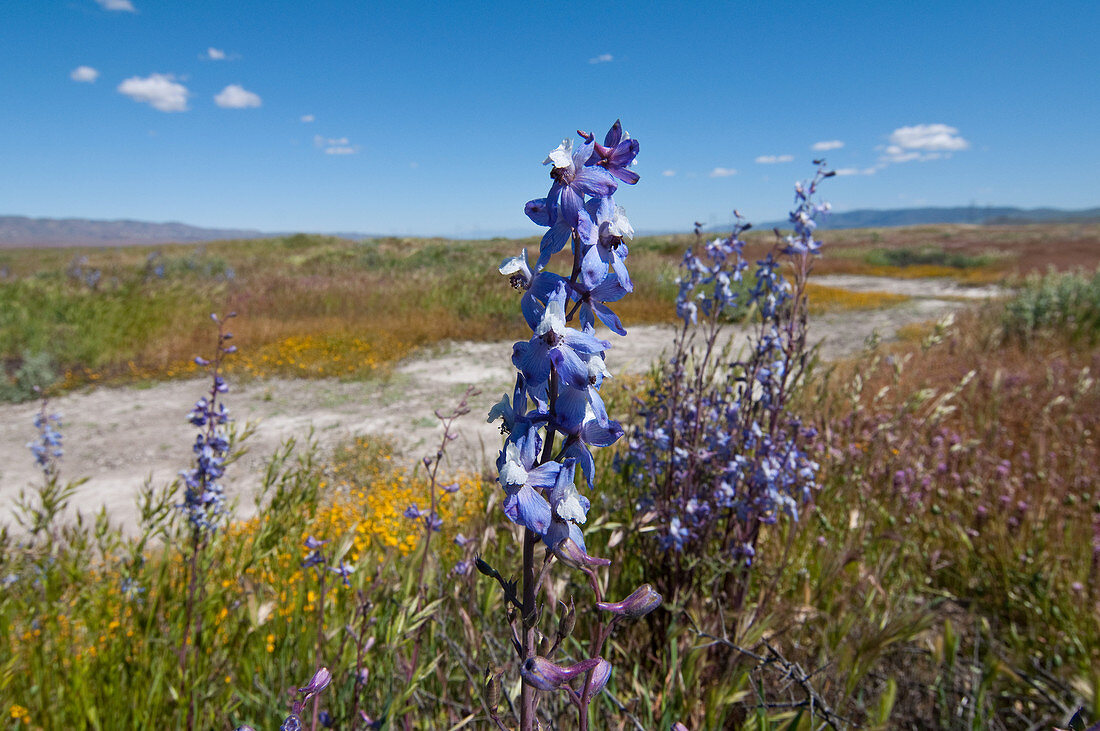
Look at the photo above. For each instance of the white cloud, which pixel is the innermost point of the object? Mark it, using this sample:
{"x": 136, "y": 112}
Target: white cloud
{"x": 722, "y": 172}
{"x": 307, "y": 118}
{"x": 602, "y": 58}
{"x": 928, "y": 137}
{"x": 235, "y": 96}
{"x": 772, "y": 159}
{"x": 117, "y": 5}
{"x": 84, "y": 73}
{"x": 894, "y": 153}
{"x": 856, "y": 171}
{"x": 921, "y": 142}
{"x": 827, "y": 145}
{"x": 668, "y": 173}
{"x": 335, "y": 145}
{"x": 160, "y": 91}
{"x": 215, "y": 54}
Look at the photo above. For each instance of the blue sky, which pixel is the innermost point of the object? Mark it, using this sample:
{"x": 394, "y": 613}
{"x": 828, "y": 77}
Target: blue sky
{"x": 434, "y": 118}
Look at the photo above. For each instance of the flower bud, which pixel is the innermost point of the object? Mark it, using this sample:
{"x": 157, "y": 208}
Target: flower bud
{"x": 540, "y": 673}
{"x": 643, "y": 601}
{"x": 317, "y": 683}
{"x": 600, "y": 675}
{"x": 572, "y": 555}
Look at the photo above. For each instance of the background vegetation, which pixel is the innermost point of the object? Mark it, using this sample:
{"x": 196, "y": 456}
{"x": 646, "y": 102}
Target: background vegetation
{"x": 314, "y": 306}
{"x": 948, "y": 575}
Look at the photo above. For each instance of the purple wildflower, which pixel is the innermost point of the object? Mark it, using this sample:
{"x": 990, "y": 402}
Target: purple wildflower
{"x": 617, "y": 153}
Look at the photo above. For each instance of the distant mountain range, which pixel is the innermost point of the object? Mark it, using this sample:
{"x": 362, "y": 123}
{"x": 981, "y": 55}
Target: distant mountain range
{"x": 985, "y": 215}
{"x": 21, "y": 231}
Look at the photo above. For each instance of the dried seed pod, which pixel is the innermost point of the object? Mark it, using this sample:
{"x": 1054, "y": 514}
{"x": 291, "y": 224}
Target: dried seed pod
{"x": 568, "y": 621}
{"x": 492, "y": 689}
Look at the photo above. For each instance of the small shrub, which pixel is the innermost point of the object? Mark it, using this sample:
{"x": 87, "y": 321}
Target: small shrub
{"x": 928, "y": 256}
{"x": 1063, "y": 304}
{"x": 35, "y": 373}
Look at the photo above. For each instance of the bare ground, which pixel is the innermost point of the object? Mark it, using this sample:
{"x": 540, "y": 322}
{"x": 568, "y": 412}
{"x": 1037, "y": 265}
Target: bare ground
{"x": 119, "y": 437}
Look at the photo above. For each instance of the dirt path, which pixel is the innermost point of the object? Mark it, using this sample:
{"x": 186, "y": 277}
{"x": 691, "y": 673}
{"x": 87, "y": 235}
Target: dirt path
{"x": 118, "y": 437}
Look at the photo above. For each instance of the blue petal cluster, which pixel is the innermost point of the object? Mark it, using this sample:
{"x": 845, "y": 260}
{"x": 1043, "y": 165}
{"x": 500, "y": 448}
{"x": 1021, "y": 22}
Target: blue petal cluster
{"x": 561, "y": 367}
{"x": 204, "y": 495}
{"x": 46, "y": 448}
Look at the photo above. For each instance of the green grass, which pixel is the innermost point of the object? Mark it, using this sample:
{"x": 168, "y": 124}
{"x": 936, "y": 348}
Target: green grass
{"x": 928, "y": 256}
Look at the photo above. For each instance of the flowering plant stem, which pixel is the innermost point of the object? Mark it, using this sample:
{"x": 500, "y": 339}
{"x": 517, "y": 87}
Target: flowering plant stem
{"x": 527, "y": 694}
{"x": 203, "y": 503}
{"x": 432, "y": 464}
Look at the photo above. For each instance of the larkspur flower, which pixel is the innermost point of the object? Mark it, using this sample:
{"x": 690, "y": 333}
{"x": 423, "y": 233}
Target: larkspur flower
{"x": 574, "y": 178}
{"x": 343, "y": 571}
{"x": 556, "y": 345}
{"x": 541, "y": 211}
{"x": 569, "y": 509}
{"x": 617, "y": 153}
{"x": 47, "y": 448}
{"x": 583, "y": 434}
{"x": 536, "y": 287}
{"x": 605, "y": 230}
{"x": 593, "y": 302}
{"x": 430, "y": 518}
{"x": 204, "y": 495}
{"x": 561, "y": 369}
{"x": 523, "y": 483}
{"x": 677, "y": 535}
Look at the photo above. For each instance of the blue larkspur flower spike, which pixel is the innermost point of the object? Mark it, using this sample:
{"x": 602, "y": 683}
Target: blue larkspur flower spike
{"x": 46, "y": 448}
{"x": 204, "y": 495}
{"x": 561, "y": 369}
{"x": 753, "y": 465}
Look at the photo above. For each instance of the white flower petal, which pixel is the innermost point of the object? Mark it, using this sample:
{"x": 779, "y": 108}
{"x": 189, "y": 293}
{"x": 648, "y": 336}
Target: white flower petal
{"x": 553, "y": 318}
{"x": 512, "y": 473}
{"x": 561, "y": 156}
